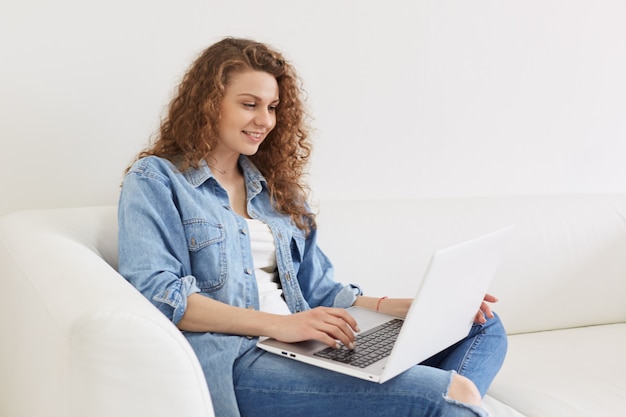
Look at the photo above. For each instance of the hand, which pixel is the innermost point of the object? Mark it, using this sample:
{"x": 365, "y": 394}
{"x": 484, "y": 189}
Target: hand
{"x": 322, "y": 323}
{"x": 485, "y": 309}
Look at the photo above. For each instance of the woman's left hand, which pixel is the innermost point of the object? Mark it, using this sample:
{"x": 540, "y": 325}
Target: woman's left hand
{"x": 485, "y": 309}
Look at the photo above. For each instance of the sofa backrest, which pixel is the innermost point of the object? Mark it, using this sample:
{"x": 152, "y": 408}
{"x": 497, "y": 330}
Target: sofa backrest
{"x": 565, "y": 265}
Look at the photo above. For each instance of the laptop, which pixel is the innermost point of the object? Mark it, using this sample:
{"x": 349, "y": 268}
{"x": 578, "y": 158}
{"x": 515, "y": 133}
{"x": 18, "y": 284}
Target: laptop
{"x": 441, "y": 314}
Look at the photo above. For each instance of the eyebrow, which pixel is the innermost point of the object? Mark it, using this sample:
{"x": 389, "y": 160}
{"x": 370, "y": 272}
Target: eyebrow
{"x": 257, "y": 97}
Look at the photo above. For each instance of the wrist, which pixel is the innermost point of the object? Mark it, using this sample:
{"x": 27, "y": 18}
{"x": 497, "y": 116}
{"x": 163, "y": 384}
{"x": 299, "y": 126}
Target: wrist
{"x": 380, "y": 300}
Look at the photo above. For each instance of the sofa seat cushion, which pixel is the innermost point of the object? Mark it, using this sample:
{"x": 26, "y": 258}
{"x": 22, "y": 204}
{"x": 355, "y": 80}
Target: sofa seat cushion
{"x": 496, "y": 408}
{"x": 573, "y": 372}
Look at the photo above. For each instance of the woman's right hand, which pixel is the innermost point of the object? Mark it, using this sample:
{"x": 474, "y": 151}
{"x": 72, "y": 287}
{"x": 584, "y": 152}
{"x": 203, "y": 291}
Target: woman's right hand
{"x": 326, "y": 324}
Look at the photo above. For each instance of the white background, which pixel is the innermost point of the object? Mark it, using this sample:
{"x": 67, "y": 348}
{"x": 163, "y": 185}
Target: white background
{"x": 440, "y": 98}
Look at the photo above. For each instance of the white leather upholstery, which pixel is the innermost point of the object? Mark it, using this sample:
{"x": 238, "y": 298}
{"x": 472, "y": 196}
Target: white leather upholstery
{"x": 79, "y": 341}
{"x": 573, "y": 372}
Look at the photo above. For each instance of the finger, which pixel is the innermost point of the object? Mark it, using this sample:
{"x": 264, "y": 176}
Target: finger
{"x": 480, "y": 318}
{"x": 490, "y": 298}
{"x": 341, "y": 331}
{"x": 330, "y": 326}
{"x": 346, "y": 317}
{"x": 327, "y": 340}
{"x": 341, "y": 326}
{"x": 486, "y": 309}
{"x": 331, "y": 336}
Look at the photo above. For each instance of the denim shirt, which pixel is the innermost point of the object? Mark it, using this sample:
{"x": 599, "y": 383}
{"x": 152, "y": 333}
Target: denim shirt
{"x": 178, "y": 235}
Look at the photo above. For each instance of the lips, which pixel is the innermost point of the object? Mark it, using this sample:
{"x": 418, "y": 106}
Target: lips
{"x": 255, "y": 135}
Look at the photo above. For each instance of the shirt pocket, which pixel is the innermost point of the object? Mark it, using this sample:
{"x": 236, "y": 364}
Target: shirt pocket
{"x": 207, "y": 253}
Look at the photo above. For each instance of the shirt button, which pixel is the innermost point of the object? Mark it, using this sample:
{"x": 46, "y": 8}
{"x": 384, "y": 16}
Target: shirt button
{"x": 244, "y": 231}
{"x": 193, "y": 241}
{"x": 248, "y": 271}
{"x": 287, "y": 276}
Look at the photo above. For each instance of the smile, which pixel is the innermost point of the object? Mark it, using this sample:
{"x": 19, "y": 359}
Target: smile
{"x": 256, "y": 135}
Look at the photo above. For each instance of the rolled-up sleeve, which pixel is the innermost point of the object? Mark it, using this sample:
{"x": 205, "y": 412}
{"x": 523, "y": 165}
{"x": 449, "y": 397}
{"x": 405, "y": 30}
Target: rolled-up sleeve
{"x": 347, "y": 296}
{"x": 173, "y": 301}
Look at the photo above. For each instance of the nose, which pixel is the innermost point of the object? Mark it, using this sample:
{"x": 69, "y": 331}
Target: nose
{"x": 265, "y": 118}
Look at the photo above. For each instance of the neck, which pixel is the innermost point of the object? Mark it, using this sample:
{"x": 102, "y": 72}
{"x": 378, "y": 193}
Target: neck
{"x": 221, "y": 171}
{"x": 223, "y": 166}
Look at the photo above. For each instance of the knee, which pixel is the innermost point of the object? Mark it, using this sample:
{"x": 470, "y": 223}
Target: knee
{"x": 463, "y": 390}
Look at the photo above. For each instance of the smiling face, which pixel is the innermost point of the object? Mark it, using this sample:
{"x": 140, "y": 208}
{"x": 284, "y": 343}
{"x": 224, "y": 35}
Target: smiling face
{"x": 248, "y": 114}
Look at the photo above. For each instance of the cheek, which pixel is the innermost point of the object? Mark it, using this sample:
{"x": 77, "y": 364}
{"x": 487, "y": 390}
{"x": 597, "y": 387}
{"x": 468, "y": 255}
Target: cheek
{"x": 227, "y": 122}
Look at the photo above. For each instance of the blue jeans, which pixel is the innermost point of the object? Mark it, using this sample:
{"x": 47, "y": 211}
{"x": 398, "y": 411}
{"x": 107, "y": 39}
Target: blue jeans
{"x": 479, "y": 356}
{"x": 270, "y": 385}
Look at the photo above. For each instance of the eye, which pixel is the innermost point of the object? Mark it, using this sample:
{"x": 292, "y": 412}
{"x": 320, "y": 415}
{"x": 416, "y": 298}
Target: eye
{"x": 272, "y": 108}
{"x": 249, "y": 105}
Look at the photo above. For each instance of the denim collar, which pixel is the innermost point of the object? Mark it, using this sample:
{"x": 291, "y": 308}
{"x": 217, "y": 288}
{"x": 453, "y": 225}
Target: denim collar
{"x": 253, "y": 177}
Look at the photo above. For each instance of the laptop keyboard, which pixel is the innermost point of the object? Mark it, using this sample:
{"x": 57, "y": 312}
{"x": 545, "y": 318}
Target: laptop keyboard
{"x": 370, "y": 346}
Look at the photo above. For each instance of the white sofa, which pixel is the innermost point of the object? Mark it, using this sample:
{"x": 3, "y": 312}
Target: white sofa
{"x": 78, "y": 341}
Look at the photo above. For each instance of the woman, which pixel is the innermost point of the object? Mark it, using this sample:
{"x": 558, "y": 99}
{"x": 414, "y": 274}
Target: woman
{"x": 215, "y": 231}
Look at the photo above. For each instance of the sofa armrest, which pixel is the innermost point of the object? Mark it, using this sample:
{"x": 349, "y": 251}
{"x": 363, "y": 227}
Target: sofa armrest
{"x": 78, "y": 339}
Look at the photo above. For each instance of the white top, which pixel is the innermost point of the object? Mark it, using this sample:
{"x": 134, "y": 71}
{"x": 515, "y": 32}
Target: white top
{"x": 265, "y": 268}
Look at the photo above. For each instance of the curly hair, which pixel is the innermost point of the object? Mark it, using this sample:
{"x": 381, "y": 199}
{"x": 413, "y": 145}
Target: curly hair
{"x": 190, "y": 130}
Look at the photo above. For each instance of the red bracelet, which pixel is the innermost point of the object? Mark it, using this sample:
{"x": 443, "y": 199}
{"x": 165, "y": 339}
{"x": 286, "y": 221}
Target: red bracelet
{"x": 378, "y": 303}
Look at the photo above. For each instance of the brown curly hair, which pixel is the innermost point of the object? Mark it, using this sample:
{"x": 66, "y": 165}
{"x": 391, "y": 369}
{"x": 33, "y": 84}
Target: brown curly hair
{"x": 190, "y": 130}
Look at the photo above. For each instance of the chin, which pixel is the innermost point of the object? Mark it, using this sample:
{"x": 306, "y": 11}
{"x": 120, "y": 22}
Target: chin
{"x": 250, "y": 151}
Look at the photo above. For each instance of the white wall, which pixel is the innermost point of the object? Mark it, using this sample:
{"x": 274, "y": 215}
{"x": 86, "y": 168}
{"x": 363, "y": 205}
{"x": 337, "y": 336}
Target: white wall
{"x": 410, "y": 98}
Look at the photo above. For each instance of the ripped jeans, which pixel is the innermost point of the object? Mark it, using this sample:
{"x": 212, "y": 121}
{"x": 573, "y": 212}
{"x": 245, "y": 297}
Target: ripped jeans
{"x": 270, "y": 385}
